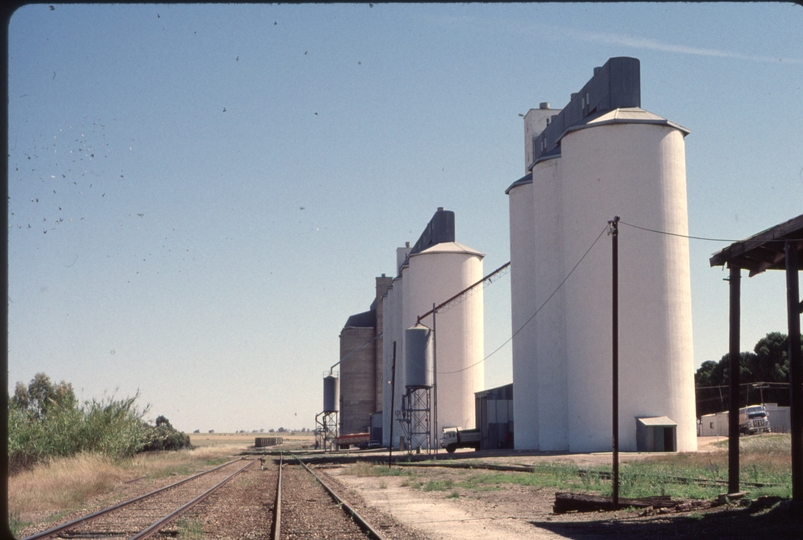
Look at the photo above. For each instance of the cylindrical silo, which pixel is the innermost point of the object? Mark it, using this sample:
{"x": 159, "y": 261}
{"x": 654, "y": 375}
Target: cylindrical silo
{"x": 539, "y": 369}
{"x": 522, "y": 302}
{"x": 331, "y": 394}
{"x": 628, "y": 163}
{"x": 435, "y": 275}
{"x": 393, "y": 308}
{"x": 550, "y": 374}
{"x": 418, "y": 357}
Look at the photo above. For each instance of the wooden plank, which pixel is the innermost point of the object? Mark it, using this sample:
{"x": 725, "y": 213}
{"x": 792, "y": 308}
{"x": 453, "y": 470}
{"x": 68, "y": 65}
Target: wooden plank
{"x": 579, "y": 502}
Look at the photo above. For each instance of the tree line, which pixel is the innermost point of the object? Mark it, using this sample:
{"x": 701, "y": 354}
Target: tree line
{"x": 45, "y": 420}
{"x": 767, "y": 363}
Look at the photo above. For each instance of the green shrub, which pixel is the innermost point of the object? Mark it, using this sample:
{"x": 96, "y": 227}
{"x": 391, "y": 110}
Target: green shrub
{"x": 45, "y": 421}
{"x": 162, "y": 437}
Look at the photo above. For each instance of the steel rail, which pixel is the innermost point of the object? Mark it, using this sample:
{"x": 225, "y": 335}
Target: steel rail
{"x": 156, "y": 526}
{"x": 277, "y": 507}
{"x": 90, "y": 517}
{"x": 364, "y": 525}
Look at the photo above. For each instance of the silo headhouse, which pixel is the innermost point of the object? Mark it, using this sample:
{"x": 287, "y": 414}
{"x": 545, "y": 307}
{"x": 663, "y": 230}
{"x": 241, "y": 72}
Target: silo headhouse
{"x": 599, "y": 157}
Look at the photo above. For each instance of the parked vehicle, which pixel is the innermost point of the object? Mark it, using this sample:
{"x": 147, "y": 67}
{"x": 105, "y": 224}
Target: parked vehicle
{"x": 352, "y": 439}
{"x": 454, "y": 438}
{"x": 369, "y": 445}
{"x": 754, "y": 419}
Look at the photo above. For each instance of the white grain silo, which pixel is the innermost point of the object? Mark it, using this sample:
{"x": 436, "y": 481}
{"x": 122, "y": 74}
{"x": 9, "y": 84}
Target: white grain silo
{"x": 605, "y": 156}
{"x": 637, "y": 170}
{"x": 530, "y": 213}
{"x": 393, "y": 333}
{"x": 435, "y": 275}
{"x": 433, "y": 270}
{"x": 391, "y": 324}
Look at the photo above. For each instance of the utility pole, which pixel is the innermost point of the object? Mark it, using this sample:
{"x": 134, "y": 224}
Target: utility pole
{"x": 435, "y": 377}
{"x": 614, "y": 232}
{"x": 392, "y": 405}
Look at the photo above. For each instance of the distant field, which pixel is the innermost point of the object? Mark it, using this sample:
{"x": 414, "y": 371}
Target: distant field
{"x": 291, "y": 440}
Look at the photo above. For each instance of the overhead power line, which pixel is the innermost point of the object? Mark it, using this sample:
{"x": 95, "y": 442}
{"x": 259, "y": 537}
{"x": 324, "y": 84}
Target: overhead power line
{"x": 537, "y": 310}
{"x": 706, "y": 239}
{"x": 459, "y": 297}
{"x": 677, "y": 234}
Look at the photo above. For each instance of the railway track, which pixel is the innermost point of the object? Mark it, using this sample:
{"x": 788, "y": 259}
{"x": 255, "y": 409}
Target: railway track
{"x": 145, "y": 515}
{"x": 323, "y": 515}
{"x": 282, "y": 500}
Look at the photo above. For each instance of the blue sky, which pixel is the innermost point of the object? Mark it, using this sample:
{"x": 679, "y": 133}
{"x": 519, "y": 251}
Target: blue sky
{"x": 200, "y": 196}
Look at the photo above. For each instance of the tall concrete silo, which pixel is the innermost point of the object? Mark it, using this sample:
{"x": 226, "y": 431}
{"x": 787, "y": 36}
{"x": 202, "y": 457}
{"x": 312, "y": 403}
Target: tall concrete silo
{"x": 393, "y": 333}
{"x": 392, "y": 340}
{"x": 433, "y": 270}
{"x": 436, "y": 274}
{"x": 603, "y": 156}
{"x": 622, "y": 164}
{"x": 526, "y": 247}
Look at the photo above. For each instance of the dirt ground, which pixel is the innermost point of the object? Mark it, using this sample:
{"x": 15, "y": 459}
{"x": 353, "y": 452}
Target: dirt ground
{"x": 515, "y": 511}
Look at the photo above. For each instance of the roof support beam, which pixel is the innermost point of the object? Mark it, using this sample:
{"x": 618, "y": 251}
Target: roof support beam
{"x": 795, "y": 368}
{"x": 777, "y": 248}
{"x": 733, "y": 378}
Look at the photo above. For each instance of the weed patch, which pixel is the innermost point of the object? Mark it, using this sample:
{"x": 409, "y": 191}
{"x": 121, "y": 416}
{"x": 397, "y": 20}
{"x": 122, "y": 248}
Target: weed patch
{"x": 190, "y": 530}
{"x": 437, "y": 485}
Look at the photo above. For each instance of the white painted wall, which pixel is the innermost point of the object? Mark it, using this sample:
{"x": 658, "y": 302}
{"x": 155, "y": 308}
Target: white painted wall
{"x": 636, "y": 171}
{"x": 714, "y": 424}
{"x": 535, "y": 121}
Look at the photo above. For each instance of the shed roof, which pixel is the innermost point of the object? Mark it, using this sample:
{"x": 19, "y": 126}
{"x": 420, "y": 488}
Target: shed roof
{"x": 657, "y": 421}
{"x": 762, "y": 251}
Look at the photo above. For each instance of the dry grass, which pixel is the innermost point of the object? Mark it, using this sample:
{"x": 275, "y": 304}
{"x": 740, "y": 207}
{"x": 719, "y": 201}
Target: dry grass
{"x": 63, "y": 484}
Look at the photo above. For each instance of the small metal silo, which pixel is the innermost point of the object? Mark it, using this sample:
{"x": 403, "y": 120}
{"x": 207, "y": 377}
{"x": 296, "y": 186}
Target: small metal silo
{"x": 331, "y": 394}
{"x": 419, "y": 357}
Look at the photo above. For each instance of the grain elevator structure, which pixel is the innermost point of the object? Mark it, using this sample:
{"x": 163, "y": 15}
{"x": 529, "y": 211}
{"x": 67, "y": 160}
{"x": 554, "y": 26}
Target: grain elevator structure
{"x": 428, "y": 273}
{"x": 601, "y": 156}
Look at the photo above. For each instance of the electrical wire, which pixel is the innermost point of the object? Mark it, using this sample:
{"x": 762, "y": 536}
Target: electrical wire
{"x": 701, "y": 237}
{"x": 677, "y": 234}
{"x": 536, "y": 311}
